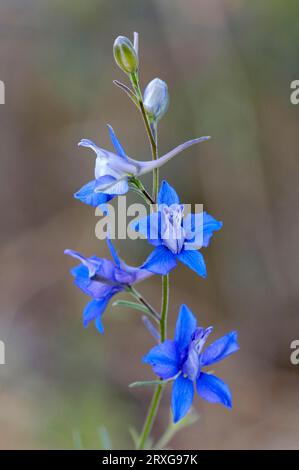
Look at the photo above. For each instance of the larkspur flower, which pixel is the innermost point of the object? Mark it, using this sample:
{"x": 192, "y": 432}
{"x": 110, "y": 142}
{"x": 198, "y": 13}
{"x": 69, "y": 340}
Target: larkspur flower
{"x": 101, "y": 279}
{"x": 183, "y": 359}
{"x": 175, "y": 238}
{"x": 112, "y": 171}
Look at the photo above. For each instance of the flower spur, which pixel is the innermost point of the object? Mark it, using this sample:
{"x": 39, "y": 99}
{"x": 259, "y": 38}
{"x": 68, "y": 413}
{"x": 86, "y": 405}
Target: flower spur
{"x": 113, "y": 170}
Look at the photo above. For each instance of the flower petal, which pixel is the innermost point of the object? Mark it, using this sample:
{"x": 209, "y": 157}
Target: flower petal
{"x": 160, "y": 261}
{"x": 94, "y": 311}
{"x": 88, "y": 195}
{"x": 167, "y": 195}
{"x": 92, "y": 263}
{"x": 194, "y": 260}
{"x": 150, "y": 227}
{"x": 110, "y": 185}
{"x": 113, "y": 251}
{"x": 213, "y": 389}
{"x": 182, "y": 397}
{"x": 220, "y": 349}
{"x": 97, "y": 290}
{"x": 116, "y": 143}
{"x": 199, "y": 228}
{"x": 185, "y": 326}
{"x": 89, "y": 144}
{"x": 164, "y": 359}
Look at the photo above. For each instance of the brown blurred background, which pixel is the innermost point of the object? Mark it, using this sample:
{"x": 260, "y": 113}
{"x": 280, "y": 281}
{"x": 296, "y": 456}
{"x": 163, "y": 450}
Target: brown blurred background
{"x": 229, "y": 65}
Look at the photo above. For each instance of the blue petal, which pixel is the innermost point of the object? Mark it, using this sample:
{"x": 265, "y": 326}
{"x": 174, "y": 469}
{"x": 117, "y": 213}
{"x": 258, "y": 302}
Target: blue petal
{"x": 88, "y": 195}
{"x": 107, "y": 184}
{"x": 164, "y": 359}
{"x": 167, "y": 195}
{"x": 116, "y": 143}
{"x": 113, "y": 251}
{"x": 92, "y": 264}
{"x": 220, "y": 349}
{"x": 185, "y": 326}
{"x": 97, "y": 290}
{"x": 80, "y": 272}
{"x": 213, "y": 389}
{"x": 94, "y": 311}
{"x": 160, "y": 261}
{"x": 182, "y": 397}
{"x": 194, "y": 260}
{"x": 200, "y": 227}
{"x": 89, "y": 144}
{"x": 150, "y": 227}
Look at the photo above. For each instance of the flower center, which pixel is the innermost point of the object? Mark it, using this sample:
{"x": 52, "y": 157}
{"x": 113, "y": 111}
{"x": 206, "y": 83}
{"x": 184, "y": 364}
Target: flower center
{"x": 191, "y": 366}
{"x": 172, "y": 232}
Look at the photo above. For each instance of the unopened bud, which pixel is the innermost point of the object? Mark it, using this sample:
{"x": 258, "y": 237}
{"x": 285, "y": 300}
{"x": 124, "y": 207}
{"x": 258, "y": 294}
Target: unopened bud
{"x": 125, "y": 55}
{"x": 156, "y": 99}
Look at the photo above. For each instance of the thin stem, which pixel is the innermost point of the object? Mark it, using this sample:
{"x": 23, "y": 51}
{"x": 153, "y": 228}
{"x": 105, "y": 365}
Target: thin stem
{"x": 144, "y": 302}
{"x": 139, "y": 188}
{"x": 150, "y": 416}
{"x": 165, "y": 302}
{"x": 153, "y": 409}
{"x": 155, "y": 157}
{"x": 151, "y": 132}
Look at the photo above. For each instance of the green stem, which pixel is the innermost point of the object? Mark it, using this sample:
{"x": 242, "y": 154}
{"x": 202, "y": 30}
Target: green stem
{"x": 164, "y": 312}
{"x": 138, "y": 187}
{"x": 150, "y": 416}
{"x": 152, "y": 133}
{"x": 153, "y": 409}
{"x": 144, "y": 302}
{"x": 151, "y": 130}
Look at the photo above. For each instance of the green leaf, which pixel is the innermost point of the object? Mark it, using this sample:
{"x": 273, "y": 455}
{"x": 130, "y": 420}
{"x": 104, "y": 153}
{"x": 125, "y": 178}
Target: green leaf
{"x": 149, "y": 382}
{"x": 128, "y": 304}
{"x": 127, "y": 90}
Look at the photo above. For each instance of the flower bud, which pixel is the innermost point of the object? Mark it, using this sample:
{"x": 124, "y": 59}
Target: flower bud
{"x": 125, "y": 55}
{"x": 156, "y": 99}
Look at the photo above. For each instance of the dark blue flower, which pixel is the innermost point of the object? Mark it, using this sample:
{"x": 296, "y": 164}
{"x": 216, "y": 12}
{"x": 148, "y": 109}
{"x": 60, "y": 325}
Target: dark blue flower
{"x": 101, "y": 279}
{"x": 113, "y": 170}
{"x": 176, "y": 238}
{"x": 183, "y": 359}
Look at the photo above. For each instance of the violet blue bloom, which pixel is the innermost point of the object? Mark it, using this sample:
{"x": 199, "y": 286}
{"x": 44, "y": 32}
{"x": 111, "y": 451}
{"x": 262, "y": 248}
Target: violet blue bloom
{"x": 112, "y": 171}
{"x": 175, "y": 238}
{"x": 101, "y": 279}
{"x": 183, "y": 359}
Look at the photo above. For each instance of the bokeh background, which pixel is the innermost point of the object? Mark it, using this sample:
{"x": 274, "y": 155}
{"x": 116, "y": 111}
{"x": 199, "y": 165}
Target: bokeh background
{"x": 229, "y": 65}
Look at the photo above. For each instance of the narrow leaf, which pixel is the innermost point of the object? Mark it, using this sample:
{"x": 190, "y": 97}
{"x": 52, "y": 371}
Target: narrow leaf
{"x": 149, "y": 382}
{"x": 128, "y": 92}
{"x": 128, "y": 304}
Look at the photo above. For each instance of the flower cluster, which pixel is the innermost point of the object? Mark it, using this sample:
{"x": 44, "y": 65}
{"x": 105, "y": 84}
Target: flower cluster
{"x": 175, "y": 237}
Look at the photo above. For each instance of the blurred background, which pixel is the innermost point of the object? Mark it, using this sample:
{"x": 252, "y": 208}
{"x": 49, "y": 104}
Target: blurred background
{"x": 228, "y": 65}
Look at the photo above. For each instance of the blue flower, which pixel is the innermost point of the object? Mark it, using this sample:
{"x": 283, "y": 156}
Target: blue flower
{"x": 176, "y": 238}
{"x": 112, "y": 171}
{"x": 101, "y": 279}
{"x": 183, "y": 359}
